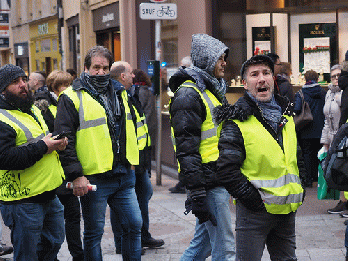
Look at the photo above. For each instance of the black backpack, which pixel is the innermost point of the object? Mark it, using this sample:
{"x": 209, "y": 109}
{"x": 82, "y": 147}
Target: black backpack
{"x": 336, "y": 162}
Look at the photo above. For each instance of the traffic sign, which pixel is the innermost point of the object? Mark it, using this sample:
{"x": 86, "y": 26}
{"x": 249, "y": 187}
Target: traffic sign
{"x": 149, "y": 11}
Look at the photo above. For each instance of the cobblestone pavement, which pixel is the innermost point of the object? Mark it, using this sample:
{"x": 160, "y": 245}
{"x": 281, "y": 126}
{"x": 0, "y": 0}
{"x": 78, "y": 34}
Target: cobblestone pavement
{"x": 320, "y": 236}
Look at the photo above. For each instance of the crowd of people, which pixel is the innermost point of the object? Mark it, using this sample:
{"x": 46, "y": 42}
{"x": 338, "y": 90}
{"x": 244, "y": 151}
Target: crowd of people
{"x": 63, "y": 134}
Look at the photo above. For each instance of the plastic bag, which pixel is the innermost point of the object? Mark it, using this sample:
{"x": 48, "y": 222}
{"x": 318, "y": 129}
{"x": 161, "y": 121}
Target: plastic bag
{"x": 323, "y": 191}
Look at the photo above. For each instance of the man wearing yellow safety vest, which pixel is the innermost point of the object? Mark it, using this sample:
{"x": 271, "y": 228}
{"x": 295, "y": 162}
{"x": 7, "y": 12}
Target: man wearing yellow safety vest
{"x": 30, "y": 172}
{"x": 258, "y": 165}
{"x": 198, "y": 89}
{"x": 102, "y": 151}
{"x": 122, "y": 72}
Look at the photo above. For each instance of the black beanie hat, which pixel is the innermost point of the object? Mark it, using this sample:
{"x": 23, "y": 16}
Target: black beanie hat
{"x": 257, "y": 59}
{"x": 9, "y": 73}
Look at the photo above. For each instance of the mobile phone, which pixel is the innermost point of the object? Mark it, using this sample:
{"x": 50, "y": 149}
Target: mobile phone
{"x": 61, "y": 135}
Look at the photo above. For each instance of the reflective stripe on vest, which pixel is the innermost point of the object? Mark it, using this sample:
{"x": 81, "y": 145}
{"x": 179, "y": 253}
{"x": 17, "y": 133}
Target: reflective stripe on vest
{"x": 143, "y": 136}
{"x": 208, "y": 147}
{"x": 271, "y": 169}
{"x": 93, "y": 141}
{"x": 45, "y": 175}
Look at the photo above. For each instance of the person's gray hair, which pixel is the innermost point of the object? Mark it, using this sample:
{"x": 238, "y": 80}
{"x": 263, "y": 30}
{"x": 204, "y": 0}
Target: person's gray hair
{"x": 336, "y": 67}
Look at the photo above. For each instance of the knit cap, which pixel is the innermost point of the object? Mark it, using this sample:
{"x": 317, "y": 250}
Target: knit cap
{"x": 206, "y": 51}
{"x": 9, "y": 73}
{"x": 255, "y": 60}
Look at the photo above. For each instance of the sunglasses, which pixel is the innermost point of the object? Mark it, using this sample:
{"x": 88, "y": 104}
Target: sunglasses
{"x": 335, "y": 76}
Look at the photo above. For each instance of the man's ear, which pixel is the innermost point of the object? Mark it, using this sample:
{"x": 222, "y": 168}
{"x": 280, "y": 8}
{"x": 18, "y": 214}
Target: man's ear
{"x": 86, "y": 70}
{"x": 244, "y": 84}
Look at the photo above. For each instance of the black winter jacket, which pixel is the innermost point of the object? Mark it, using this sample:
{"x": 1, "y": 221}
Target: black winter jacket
{"x": 232, "y": 150}
{"x": 187, "y": 115}
{"x": 67, "y": 119}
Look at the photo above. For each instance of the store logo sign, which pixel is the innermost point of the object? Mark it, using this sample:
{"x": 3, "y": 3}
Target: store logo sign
{"x": 316, "y": 30}
{"x": 108, "y": 17}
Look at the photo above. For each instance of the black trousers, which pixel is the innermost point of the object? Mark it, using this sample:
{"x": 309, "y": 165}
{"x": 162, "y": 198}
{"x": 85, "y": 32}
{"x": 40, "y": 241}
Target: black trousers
{"x": 310, "y": 148}
{"x": 72, "y": 216}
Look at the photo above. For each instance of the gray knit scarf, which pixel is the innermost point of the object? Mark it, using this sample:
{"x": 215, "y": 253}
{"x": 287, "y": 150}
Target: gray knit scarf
{"x": 271, "y": 111}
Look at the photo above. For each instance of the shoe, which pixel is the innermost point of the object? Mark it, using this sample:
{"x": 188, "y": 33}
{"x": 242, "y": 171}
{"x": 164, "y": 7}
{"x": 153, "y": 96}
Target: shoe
{"x": 5, "y": 250}
{"x": 152, "y": 243}
{"x": 344, "y": 213}
{"x": 339, "y": 208}
{"x": 177, "y": 189}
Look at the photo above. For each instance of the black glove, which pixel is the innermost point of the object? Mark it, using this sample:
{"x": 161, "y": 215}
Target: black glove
{"x": 201, "y": 211}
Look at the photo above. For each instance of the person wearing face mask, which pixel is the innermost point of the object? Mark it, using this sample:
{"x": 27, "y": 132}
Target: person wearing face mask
{"x": 257, "y": 165}
{"x": 95, "y": 112}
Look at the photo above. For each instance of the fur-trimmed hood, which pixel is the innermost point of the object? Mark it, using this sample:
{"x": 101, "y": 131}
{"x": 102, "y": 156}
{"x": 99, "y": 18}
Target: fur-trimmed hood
{"x": 246, "y": 107}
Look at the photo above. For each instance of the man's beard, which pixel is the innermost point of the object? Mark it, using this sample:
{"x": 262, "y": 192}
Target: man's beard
{"x": 24, "y": 104}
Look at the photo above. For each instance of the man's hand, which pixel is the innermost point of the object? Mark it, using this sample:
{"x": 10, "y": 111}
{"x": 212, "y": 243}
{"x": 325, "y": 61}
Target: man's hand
{"x": 201, "y": 211}
{"x": 53, "y": 145}
{"x": 80, "y": 186}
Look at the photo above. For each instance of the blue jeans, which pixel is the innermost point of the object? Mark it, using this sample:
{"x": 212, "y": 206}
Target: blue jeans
{"x": 254, "y": 230}
{"x": 118, "y": 192}
{"x": 218, "y": 240}
{"x": 144, "y": 191}
{"x": 37, "y": 230}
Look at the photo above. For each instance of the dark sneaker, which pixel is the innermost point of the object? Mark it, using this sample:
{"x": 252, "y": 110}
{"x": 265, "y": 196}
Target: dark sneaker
{"x": 177, "y": 189}
{"x": 152, "y": 243}
{"x": 344, "y": 214}
{"x": 339, "y": 208}
{"x": 5, "y": 250}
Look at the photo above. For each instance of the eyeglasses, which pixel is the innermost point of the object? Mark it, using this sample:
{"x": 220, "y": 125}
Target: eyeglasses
{"x": 335, "y": 76}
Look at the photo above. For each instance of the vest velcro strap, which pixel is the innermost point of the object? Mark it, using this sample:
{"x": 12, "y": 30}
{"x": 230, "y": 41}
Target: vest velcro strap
{"x": 208, "y": 133}
{"x": 27, "y": 132}
{"x": 92, "y": 123}
{"x": 282, "y": 200}
{"x": 129, "y": 116}
{"x": 277, "y": 183}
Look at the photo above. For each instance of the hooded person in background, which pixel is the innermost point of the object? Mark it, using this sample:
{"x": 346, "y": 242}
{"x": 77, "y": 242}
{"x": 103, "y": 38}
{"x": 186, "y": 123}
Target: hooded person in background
{"x": 198, "y": 89}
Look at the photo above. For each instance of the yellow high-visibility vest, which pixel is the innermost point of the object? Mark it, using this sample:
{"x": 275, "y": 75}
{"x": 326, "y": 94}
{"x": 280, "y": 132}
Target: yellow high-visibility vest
{"x": 45, "y": 175}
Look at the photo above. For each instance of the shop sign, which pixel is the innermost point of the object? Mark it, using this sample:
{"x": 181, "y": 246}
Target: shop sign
{"x": 106, "y": 17}
{"x": 149, "y": 11}
{"x": 43, "y": 29}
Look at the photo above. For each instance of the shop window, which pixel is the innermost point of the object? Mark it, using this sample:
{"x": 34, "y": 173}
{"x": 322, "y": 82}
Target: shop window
{"x": 54, "y": 44}
{"x": 37, "y": 46}
{"x": 46, "y": 45}
{"x": 170, "y": 53}
{"x": 55, "y": 64}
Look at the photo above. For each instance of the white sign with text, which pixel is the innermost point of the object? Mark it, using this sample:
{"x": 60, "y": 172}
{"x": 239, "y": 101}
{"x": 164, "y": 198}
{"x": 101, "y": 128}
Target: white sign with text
{"x": 149, "y": 11}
